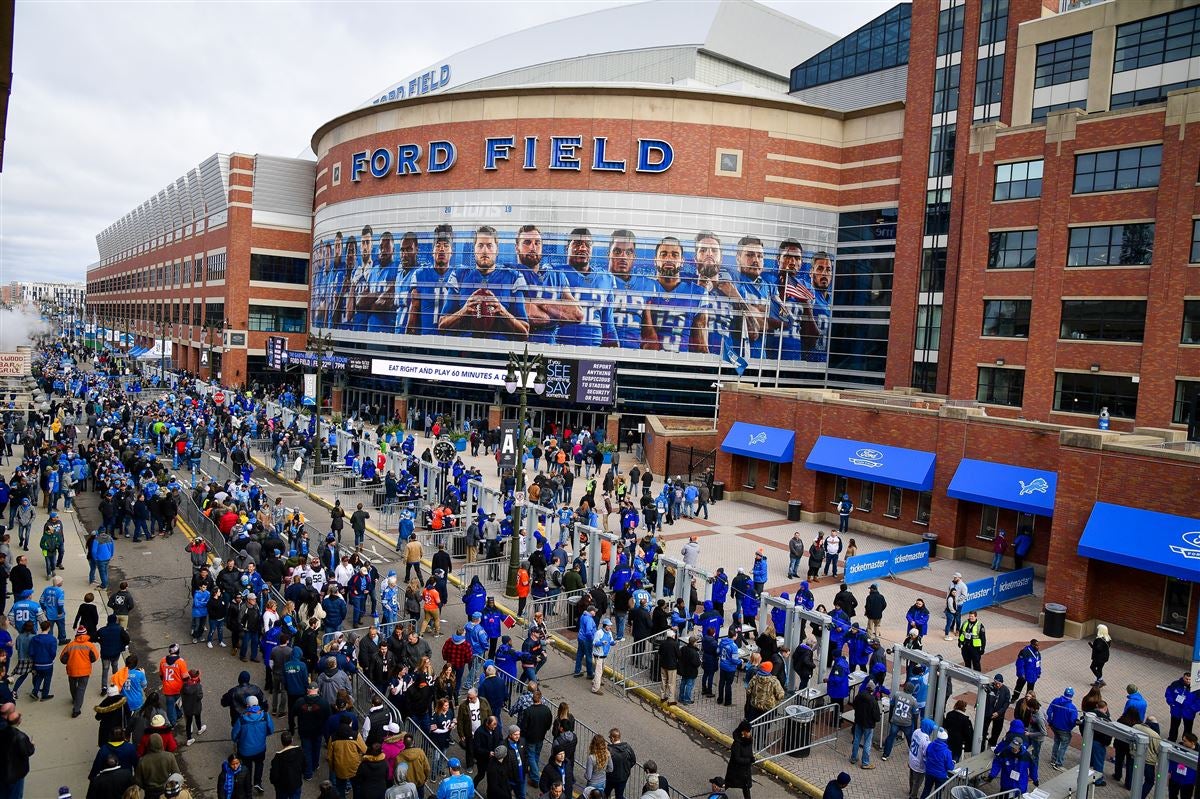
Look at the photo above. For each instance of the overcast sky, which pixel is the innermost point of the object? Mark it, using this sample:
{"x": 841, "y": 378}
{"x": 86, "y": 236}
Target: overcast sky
{"x": 113, "y": 101}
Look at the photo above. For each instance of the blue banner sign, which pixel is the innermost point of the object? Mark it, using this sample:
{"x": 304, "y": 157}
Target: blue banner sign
{"x": 1013, "y": 585}
{"x": 980, "y": 594}
{"x": 914, "y": 556}
{"x": 870, "y": 566}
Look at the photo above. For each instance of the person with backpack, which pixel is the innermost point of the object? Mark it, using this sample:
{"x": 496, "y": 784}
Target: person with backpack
{"x": 1062, "y": 716}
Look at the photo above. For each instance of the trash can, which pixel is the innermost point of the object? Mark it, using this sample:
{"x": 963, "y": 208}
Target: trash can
{"x": 966, "y": 792}
{"x": 458, "y": 546}
{"x": 718, "y": 490}
{"x": 931, "y": 539}
{"x": 794, "y": 507}
{"x": 797, "y": 731}
{"x": 1055, "y": 620}
{"x": 349, "y": 481}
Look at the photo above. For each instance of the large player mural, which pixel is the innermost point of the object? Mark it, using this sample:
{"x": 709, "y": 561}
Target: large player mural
{"x": 694, "y": 293}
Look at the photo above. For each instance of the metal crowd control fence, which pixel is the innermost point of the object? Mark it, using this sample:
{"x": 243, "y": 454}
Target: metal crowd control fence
{"x": 583, "y": 732}
{"x": 493, "y": 573}
{"x": 557, "y": 610}
{"x": 636, "y": 664}
{"x": 365, "y": 694}
{"x": 792, "y": 727}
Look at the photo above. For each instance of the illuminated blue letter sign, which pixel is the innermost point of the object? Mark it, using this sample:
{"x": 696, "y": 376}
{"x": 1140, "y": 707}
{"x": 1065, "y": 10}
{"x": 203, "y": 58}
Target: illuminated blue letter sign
{"x": 496, "y": 149}
{"x": 381, "y": 162}
{"x": 654, "y": 155}
{"x": 407, "y": 156}
{"x": 358, "y": 163}
{"x": 602, "y": 164}
{"x": 442, "y": 155}
{"x": 562, "y": 152}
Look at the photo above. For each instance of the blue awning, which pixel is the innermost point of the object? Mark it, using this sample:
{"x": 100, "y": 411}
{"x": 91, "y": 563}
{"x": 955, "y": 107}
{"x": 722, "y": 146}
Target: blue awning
{"x": 896, "y": 466}
{"x": 1016, "y": 487}
{"x": 759, "y": 441}
{"x": 1160, "y": 543}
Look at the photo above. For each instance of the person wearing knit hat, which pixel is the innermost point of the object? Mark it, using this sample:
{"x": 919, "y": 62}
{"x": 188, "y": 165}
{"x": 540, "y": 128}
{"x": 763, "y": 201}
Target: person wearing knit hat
{"x": 759, "y": 572}
{"x": 834, "y": 789}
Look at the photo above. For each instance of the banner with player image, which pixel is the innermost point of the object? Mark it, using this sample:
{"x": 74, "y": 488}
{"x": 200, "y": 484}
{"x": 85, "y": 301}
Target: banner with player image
{"x": 689, "y": 293}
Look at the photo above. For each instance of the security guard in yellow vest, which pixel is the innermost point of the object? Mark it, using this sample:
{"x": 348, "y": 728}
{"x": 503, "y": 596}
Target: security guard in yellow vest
{"x": 972, "y": 640}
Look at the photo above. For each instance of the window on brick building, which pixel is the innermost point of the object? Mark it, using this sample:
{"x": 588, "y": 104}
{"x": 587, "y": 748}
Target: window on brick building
{"x": 895, "y": 502}
{"x": 1177, "y": 605}
{"x": 1018, "y": 181}
{"x": 950, "y": 30}
{"x": 839, "y": 488}
{"x": 993, "y": 21}
{"x": 941, "y": 154}
{"x": 1185, "y": 394}
{"x": 1103, "y": 320}
{"x": 866, "y": 496}
{"x": 924, "y": 507}
{"x": 772, "y": 476}
{"x": 988, "y": 520}
{"x": 1158, "y": 40}
{"x": 1012, "y": 249}
{"x": 1089, "y": 392}
{"x": 1063, "y": 61}
{"x": 751, "y": 473}
{"x": 1111, "y": 245}
{"x": 270, "y": 319}
{"x": 1006, "y": 318}
{"x": 1191, "y": 322}
{"x": 278, "y": 268}
{"x": 945, "y": 89}
{"x": 1116, "y": 170}
{"x": 997, "y": 386}
{"x": 1195, "y": 256}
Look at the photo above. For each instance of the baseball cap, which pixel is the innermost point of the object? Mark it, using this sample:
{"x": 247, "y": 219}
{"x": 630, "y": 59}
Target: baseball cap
{"x": 717, "y": 781}
{"x": 454, "y": 763}
{"x": 252, "y": 701}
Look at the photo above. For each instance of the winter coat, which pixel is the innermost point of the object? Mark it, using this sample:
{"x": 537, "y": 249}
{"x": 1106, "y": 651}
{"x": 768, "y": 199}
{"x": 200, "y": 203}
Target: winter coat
{"x": 741, "y": 761}
{"x": 938, "y": 760}
{"x": 250, "y": 732}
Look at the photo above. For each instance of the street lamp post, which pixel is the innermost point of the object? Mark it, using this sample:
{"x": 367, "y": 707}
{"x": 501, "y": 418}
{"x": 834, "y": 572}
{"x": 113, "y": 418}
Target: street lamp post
{"x": 320, "y": 344}
{"x": 520, "y": 369}
{"x": 162, "y": 352}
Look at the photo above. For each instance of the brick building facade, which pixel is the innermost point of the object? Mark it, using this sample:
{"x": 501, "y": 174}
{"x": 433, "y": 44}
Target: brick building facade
{"x": 1090, "y": 465}
{"x": 214, "y": 263}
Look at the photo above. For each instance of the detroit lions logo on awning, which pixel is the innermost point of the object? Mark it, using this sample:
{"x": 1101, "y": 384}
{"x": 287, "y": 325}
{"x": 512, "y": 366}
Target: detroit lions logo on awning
{"x": 868, "y": 458}
{"x": 757, "y": 438}
{"x": 1190, "y": 552}
{"x": 1038, "y": 484}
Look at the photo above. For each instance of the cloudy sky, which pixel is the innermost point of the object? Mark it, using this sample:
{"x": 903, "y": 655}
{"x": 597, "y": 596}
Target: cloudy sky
{"x": 111, "y": 101}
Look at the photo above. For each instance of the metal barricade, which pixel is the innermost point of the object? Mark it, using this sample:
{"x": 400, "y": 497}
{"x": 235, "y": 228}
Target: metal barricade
{"x": 636, "y": 663}
{"x": 791, "y": 727}
{"x": 493, "y": 573}
{"x": 557, "y": 610}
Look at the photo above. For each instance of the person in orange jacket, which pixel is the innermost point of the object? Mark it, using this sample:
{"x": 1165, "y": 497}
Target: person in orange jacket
{"x": 78, "y": 656}
{"x": 172, "y": 670}
{"x": 523, "y": 583}
{"x": 431, "y": 603}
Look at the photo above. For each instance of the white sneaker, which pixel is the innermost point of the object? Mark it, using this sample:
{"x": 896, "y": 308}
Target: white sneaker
{"x": 190, "y": 741}
{"x": 948, "y": 638}
{"x": 222, "y": 644}
{"x": 203, "y": 727}
{"x": 210, "y": 644}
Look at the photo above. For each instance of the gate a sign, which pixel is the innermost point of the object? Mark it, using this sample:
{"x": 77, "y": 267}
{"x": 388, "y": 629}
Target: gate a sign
{"x": 509, "y": 437}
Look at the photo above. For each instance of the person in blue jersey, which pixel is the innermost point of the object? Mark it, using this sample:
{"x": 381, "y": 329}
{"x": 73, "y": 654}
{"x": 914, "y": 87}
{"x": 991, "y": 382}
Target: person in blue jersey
{"x": 343, "y": 303}
{"x": 548, "y": 304}
{"x": 319, "y": 279}
{"x": 404, "y": 278}
{"x": 820, "y": 311}
{"x": 790, "y": 306}
{"x": 376, "y": 305}
{"x": 629, "y": 290}
{"x": 359, "y": 303}
{"x": 488, "y": 298}
{"x": 673, "y": 320}
{"x": 430, "y": 286}
{"x": 719, "y": 294}
{"x": 755, "y": 293}
{"x": 335, "y": 277}
{"x": 593, "y": 290}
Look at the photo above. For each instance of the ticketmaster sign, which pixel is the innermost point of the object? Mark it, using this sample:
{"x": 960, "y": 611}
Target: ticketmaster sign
{"x": 878, "y": 565}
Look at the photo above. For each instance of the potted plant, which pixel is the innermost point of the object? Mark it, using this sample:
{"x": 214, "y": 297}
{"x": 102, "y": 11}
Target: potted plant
{"x": 460, "y": 440}
{"x": 607, "y": 449}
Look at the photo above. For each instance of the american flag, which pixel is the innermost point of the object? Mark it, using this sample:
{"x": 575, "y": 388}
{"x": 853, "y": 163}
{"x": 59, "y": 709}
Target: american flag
{"x": 797, "y": 291}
